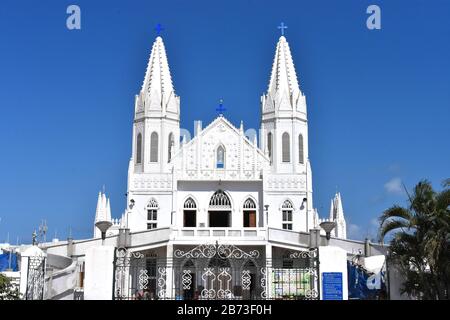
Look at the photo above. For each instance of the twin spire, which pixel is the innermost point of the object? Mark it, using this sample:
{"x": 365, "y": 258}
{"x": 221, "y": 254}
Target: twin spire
{"x": 158, "y": 93}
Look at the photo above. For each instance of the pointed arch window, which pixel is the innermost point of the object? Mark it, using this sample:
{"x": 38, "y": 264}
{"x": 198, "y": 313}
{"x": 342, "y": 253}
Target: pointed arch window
{"x": 220, "y": 200}
{"x": 139, "y": 148}
{"x": 152, "y": 214}
{"x": 219, "y": 210}
{"x": 249, "y": 210}
{"x": 170, "y": 147}
{"x": 154, "y": 147}
{"x": 269, "y": 145}
{"x": 287, "y": 208}
{"x": 300, "y": 149}
{"x": 285, "y": 145}
{"x": 190, "y": 213}
{"x": 220, "y": 157}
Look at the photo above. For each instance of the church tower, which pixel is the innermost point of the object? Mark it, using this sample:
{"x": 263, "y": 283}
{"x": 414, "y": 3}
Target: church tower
{"x": 284, "y": 126}
{"x": 156, "y": 128}
{"x": 284, "y": 137}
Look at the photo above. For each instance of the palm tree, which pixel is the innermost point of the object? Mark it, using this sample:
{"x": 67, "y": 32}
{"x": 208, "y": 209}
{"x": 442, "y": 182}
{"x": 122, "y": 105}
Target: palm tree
{"x": 420, "y": 246}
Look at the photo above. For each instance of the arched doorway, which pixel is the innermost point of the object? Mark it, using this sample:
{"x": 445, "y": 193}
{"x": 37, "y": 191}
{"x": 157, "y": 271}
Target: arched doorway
{"x": 219, "y": 211}
{"x": 249, "y": 212}
{"x": 189, "y": 213}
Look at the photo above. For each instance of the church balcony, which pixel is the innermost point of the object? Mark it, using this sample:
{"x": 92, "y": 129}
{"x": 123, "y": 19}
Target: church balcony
{"x": 217, "y": 232}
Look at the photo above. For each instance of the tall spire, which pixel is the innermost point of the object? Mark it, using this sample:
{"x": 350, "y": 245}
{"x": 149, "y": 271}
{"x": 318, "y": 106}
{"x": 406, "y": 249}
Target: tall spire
{"x": 283, "y": 76}
{"x": 157, "y": 90}
{"x": 157, "y": 76}
{"x": 283, "y": 93}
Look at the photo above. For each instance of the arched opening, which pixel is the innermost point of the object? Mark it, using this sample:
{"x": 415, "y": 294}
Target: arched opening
{"x": 286, "y": 150}
{"x": 300, "y": 149}
{"x": 286, "y": 210}
{"x": 269, "y": 145}
{"x": 219, "y": 210}
{"x": 139, "y": 148}
{"x": 190, "y": 213}
{"x": 249, "y": 211}
{"x": 152, "y": 214}
{"x": 170, "y": 147}
{"x": 220, "y": 157}
{"x": 154, "y": 147}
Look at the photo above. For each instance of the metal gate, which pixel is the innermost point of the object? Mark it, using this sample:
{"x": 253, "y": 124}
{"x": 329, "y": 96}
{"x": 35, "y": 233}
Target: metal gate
{"x": 35, "y": 278}
{"x": 138, "y": 276}
{"x": 213, "y": 271}
{"x": 219, "y": 272}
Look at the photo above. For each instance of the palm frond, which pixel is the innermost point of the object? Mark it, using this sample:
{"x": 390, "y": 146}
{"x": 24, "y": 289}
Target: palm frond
{"x": 396, "y": 212}
{"x": 443, "y": 200}
{"x": 391, "y": 225}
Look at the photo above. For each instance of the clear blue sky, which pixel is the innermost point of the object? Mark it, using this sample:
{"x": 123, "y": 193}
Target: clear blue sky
{"x": 378, "y": 101}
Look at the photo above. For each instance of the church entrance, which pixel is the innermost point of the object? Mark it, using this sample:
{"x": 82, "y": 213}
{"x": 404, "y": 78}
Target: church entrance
{"x": 219, "y": 271}
{"x": 219, "y": 212}
{"x": 220, "y": 219}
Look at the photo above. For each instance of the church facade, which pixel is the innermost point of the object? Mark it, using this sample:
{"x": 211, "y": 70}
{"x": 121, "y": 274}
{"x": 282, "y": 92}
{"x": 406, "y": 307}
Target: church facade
{"x": 233, "y": 207}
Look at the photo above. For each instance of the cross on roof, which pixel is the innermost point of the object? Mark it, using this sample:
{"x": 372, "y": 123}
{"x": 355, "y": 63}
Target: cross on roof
{"x": 158, "y": 29}
{"x": 220, "y": 109}
{"x": 282, "y": 26}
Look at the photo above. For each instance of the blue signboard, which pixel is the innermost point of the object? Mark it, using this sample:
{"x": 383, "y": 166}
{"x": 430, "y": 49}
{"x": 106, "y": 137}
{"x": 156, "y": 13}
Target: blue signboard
{"x": 332, "y": 286}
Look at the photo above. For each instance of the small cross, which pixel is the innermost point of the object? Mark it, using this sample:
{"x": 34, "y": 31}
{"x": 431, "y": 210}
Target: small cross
{"x": 220, "y": 108}
{"x": 159, "y": 28}
{"x": 282, "y": 27}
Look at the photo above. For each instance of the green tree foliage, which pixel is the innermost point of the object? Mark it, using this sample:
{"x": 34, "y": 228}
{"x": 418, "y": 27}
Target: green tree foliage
{"x": 8, "y": 291}
{"x": 420, "y": 245}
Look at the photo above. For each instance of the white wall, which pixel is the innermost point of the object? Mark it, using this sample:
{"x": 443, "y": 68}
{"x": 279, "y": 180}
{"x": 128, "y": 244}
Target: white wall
{"x": 333, "y": 259}
{"x": 99, "y": 273}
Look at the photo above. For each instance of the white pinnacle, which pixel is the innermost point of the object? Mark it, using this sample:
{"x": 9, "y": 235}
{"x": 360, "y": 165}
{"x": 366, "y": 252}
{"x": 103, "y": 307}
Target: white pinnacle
{"x": 157, "y": 76}
{"x": 283, "y": 76}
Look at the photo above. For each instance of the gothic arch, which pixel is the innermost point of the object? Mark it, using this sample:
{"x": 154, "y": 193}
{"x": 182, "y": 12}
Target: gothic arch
{"x": 270, "y": 145}
{"x": 190, "y": 198}
{"x": 287, "y": 204}
{"x": 301, "y": 152}
{"x": 220, "y": 198}
{"x": 170, "y": 146}
{"x": 139, "y": 148}
{"x": 249, "y": 212}
{"x": 152, "y": 203}
{"x": 285, "y": 148}
{"x": 220, "y": 159}
{"x": 154, "y": 147}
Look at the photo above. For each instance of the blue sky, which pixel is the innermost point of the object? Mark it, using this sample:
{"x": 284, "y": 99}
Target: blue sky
{"x": 378, "y": 101}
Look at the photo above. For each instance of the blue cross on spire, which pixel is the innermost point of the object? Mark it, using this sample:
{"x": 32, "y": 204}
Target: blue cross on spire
{"x": 282, "y": 26}
{"x": 220, "y": 109}
{"x": 158, "y": 29}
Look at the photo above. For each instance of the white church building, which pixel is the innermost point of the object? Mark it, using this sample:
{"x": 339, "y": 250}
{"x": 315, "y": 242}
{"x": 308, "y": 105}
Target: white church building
{"x": 221, "y": 215}
{"x": 220, "y": 182}
{"x": 220, "y": 186}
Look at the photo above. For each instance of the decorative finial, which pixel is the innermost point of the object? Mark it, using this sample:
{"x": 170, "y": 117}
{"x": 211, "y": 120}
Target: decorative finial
{"x": 158, "y": 29}
{"x": 282, "y": 26}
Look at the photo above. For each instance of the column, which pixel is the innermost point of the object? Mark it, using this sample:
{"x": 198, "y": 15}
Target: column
{"x": 269, "y": 271}
{"x": 169, "y": 288}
